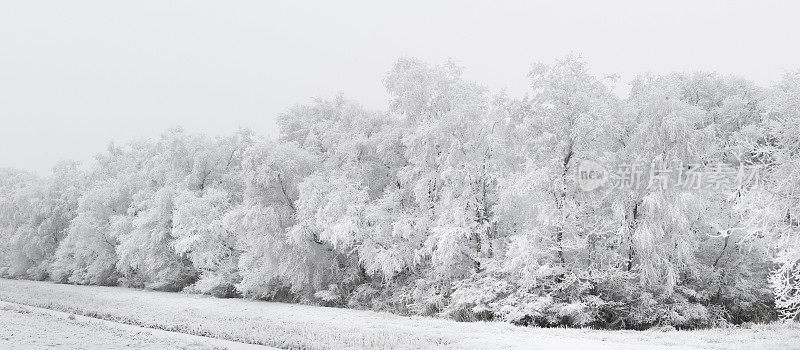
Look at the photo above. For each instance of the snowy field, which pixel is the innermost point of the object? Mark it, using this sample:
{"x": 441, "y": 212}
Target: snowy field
{"x": 291, "y": 326}
{"x": 25, "y": 327}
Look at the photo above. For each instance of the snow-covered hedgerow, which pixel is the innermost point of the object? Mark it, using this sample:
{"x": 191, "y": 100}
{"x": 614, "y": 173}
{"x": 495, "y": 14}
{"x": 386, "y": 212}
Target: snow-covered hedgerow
{"x": 293, "y": 326}
{"x": 453, "y": 201}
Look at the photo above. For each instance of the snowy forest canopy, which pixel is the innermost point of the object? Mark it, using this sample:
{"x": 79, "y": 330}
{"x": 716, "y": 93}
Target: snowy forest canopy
{"x": 453, "y": 202}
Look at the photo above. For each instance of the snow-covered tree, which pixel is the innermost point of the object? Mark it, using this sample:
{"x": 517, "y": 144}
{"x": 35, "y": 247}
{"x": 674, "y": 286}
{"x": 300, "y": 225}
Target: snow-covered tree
{"x": 38, "y": 214}
{"x": 203, "y": 216}
{"x": 771, "y": 211}
{"x": 271, "y": 263}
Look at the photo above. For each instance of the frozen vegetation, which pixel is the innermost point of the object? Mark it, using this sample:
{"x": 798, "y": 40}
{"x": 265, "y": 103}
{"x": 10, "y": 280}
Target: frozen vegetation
{"x": 26, "y": 328}
{"x": 296, "y": 326}
{"x": 675, "y": 206}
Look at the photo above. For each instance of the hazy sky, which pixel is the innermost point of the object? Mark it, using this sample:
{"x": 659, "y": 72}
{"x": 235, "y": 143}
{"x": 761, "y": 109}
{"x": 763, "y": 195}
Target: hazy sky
{"x": 75, "y": 75}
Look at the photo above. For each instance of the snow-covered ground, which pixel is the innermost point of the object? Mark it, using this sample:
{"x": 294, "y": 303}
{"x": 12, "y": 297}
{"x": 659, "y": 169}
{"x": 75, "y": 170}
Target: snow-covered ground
{"x": 24, "y": 327}
{"x": 308, "y": 327}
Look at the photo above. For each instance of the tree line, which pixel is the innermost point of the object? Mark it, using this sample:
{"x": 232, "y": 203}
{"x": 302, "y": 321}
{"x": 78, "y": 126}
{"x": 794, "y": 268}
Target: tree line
{"x": 454, "y": 201}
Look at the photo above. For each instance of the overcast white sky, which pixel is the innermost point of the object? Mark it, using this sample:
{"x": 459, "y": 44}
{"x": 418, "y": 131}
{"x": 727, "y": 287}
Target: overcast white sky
{"x": 75, "y": 75}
